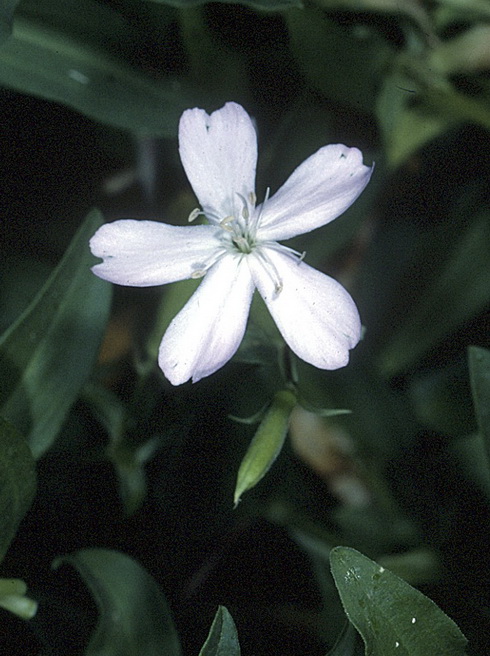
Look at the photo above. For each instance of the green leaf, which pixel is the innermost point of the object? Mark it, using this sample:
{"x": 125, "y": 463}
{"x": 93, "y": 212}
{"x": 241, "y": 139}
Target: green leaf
{"x": 266, "y": 443}
{"x": 479, "y": 361}
{"x": 392, "y": 617}
{"x": 128, "y": 457}
{"x": 269, "y": 5}
{"x": 458, "y": 292}
{"x": 7, "y": 9}
{"x": 134, "y": 617}
{"x": 405, "y": 128}
{"x": 17, "y": 482}
{"x": 48, "y": 353}
{"x": 222, "y": 639}
{"x": 78, "y": 63}
{"x": 344, "y": 65}
{"x": 346, "y": 644}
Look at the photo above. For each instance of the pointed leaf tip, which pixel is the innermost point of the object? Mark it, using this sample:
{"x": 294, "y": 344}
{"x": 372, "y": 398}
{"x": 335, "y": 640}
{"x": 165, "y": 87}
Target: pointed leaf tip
{"x": 222, "y": 639}
{"x": 266, "y": 443}
{"x": 391, "y": 616}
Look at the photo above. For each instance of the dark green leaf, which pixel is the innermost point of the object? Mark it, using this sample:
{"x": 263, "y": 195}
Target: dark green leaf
{"x": 441, "y": 399}
{"x": 459, "y": 291}
{"x": 128, "y": 457}
{"x": 270, "y": 5}
{"x": 7, "y": 9}
{"x": 479, "y": 360}
{"x": 344, "y": 65}
{"x": 47, "y": 354}
{"x": 134, "y": 617}
{"x": 405, "y": 128}
{"x": 222, "y": 639}
{"x": 347, "y": 644}
{"x": 17, "y": 482}
{"x": 392, "y": 617}
{"x": 78, "y": 63}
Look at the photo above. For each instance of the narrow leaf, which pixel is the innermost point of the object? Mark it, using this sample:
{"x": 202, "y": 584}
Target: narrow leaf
{"x": 17, "y": 484}
{"x": 134, "y": 617}
{"x": 479, "y": 361}
{"x": 47, "y": 354}
{"x": 391, "y": 616}
{"x": 222, "y": 639}
{"x": 459, "y": 291}
{"x": 266, "y": 443}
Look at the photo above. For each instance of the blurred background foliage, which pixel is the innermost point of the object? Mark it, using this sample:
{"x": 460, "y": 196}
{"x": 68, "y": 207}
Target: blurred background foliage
{"x": 117, "y": 527}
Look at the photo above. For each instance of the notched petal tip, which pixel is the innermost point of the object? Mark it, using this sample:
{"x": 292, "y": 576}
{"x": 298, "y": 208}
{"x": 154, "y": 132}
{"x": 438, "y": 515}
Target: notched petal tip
{"x": 317, "y": 192}
{"x": 141, "y": 253}
{"x": 219, "y": 155}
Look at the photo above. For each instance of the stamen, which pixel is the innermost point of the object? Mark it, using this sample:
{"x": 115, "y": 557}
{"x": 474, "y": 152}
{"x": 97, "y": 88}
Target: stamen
{"x": 204, "y": 267}
{"x": 194, "y": 214}
{"x": 271, "y": 270}
{"x": 245, "y": 210}
{"x": 252, "y": 198}
{"x": 242, "y": 244}
{"x": 224, "y": 223}
{"x": 258, "y": 216}
{"x": 287, "y": 250}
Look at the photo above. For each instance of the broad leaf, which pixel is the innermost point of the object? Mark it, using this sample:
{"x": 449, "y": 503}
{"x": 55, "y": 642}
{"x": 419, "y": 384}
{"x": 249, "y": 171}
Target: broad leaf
{"x": 134, "y": 617}
{"x": 17, "y": 482}
{"x": 391, "y": 616}
{"x": 47, "y": 354}
{"x": 222, "y": 639}
{"x": 82, "y": 64}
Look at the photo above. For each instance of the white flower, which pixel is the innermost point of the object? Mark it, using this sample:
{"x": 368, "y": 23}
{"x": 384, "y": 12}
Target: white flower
{"x": 237, "y": 251}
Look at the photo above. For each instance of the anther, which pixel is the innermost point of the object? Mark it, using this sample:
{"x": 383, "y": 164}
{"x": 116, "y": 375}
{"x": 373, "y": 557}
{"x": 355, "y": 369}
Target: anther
{"x": 245, "y": 212}
{"x": 194, "y": 214}
{"x": 224, "y": 223}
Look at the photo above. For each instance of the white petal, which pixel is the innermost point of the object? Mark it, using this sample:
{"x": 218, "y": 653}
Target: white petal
{"x": 219, "y": 155}
{"x": 208, "y": 330}
{"x": 317, "y": 192}
{"x": 146, "y": 253}
{"x": 314, "y": 313}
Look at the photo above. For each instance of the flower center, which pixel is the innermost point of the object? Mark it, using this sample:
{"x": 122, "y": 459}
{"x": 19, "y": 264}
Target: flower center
{"x": 241, "y": 228}
{"x": 239, "y": 236}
